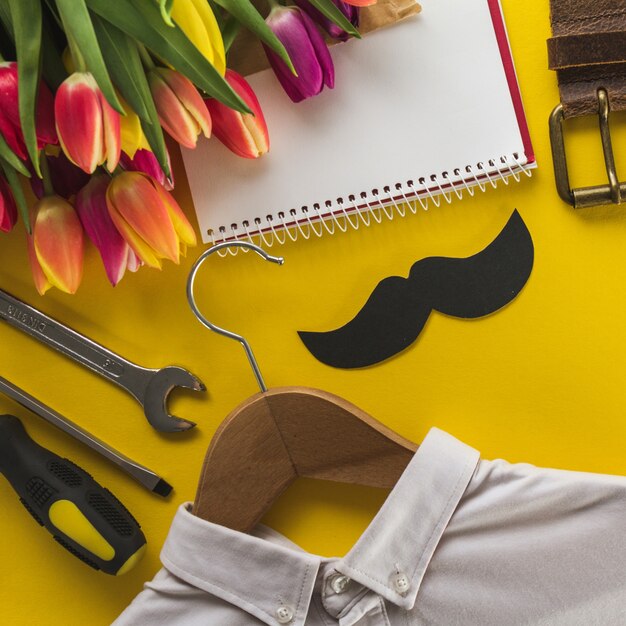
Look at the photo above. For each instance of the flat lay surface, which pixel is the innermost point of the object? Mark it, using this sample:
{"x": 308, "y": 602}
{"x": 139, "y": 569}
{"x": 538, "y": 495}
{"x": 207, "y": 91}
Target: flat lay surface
{"x": 539, "y": 382}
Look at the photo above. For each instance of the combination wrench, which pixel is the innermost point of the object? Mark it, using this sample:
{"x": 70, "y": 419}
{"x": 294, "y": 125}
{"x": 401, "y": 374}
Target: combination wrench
{"x": 150, "y": 387}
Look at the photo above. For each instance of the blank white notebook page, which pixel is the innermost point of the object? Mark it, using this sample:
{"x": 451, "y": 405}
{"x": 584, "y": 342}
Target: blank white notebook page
{"x": 419, "y": 98}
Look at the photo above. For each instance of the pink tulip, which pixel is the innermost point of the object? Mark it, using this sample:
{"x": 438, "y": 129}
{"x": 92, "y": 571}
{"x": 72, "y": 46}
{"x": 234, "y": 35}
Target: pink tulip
{"x": 148, "y": 218}
{"x": 145, "y": 161}
{"x": 57, "y": 242}
{"x": 8, "y": 208}
{"x": 242, "y": 133}
{"x": 10, "y": 126}
{"x": 361, "y": 3}
{"x": 179, "y": 105}
{"x": 94, "y": 215}
{"x": 88, "y": 127}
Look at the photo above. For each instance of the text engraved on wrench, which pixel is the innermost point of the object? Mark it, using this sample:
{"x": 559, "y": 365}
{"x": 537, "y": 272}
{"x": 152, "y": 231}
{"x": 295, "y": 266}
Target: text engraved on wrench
{"x": 38, "y": 325}
{"x": 27, "y": 319}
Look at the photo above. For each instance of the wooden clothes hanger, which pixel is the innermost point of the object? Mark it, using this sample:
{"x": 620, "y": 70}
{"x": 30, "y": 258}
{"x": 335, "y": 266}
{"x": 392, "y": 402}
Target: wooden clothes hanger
{"x": 280, "y": 434}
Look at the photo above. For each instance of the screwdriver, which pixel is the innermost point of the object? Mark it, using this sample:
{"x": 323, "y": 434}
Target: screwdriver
{"x": 84, "y": 517}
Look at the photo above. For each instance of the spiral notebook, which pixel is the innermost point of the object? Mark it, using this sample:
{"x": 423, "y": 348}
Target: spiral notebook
{"x": 423, "y": 111}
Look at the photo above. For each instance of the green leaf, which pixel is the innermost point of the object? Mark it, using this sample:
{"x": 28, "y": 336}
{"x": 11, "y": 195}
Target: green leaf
{"x": 26, "y": 16}
{"x": 122, "y": 59}
{"x": 166, "y": 11}
{"x": 78, "y": 27}
{"x": 142, "y": 21}
{"x": 7, "y": 50}
{"x": 53, "y": 11}
{"x": 11, "y": 158}
{"x": 245, "y": 13}
{"x": 124, "y": 62}
{"x": 5, "y": 17}
{"x": 230, "y": 30}
{"x": 154, "y": 135}
{"x": 329, "y": 9}
{"x": 52, "y": 66}
{"x": 18, "y": 193}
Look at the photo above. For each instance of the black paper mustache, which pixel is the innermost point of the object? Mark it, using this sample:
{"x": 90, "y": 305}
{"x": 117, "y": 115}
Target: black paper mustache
{"x": 396, "y": 312}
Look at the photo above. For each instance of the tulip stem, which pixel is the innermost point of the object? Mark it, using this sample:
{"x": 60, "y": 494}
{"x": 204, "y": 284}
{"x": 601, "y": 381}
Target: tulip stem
{"x": 145, "y": 57}
{"x": 273, "y": 4}
{"x": 45, "y": 174}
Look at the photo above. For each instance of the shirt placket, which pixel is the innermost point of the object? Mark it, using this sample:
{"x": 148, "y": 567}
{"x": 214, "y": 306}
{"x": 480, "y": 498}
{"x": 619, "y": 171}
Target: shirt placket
{"x": 350, "y": 604}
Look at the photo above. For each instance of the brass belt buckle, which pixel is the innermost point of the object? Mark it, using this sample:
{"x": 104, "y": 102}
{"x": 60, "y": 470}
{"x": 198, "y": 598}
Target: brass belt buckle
{"x": 615, "y": 191}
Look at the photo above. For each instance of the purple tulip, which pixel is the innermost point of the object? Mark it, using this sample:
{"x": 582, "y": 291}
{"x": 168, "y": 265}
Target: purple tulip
{"x": 306, "y": 48}
{"x": 336, "y": 32}
{"x": 66, "y": 178}
{"x": 93, "y": 213}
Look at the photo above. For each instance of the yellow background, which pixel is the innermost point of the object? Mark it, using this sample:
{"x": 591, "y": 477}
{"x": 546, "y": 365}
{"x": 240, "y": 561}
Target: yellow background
{"x": 542, "y": 381}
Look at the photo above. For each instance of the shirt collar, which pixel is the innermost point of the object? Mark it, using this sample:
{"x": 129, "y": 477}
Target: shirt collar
{"x": 392, "y": 555}
{"x": 262, "y": 574}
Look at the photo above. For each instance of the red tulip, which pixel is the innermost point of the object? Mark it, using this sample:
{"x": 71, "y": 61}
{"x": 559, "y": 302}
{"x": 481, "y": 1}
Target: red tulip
{"x": 149, "y": 218}
{"x": 10, "y": 126}
{"x": 8, "y": 208}
{"x": 58, "y": 245}
{"x": 242, "y": 133}
{"x": 88, "y": 127}
{"x": 360, "y": 3}
{"x": 179, "y": 105}
{"x": 94, "y": 215}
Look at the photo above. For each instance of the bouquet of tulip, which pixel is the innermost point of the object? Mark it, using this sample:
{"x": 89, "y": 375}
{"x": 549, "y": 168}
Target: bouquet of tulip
{"x": 87, "y": 88}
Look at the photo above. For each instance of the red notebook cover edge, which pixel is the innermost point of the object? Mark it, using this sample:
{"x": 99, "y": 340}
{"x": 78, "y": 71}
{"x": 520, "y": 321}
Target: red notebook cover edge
{"x": 509, "y": 69}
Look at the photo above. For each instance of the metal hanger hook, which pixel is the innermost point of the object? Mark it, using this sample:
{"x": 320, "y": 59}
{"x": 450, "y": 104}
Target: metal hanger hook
{"x": 222, "y": 331}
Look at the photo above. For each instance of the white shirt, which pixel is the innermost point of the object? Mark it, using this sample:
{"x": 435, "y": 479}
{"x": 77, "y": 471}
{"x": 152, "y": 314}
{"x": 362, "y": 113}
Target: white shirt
{"x": 459, "y": 541}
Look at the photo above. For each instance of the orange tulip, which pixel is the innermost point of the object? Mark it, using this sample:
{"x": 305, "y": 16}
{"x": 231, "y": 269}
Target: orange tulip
{"x": 180, "y": 107}
{"x": 148, "y": 218}
{"x": 56, "y": 245}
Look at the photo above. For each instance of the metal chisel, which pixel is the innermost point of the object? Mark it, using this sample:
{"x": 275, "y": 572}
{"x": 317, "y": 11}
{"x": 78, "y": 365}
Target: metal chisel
{"x": 141, "y": 474}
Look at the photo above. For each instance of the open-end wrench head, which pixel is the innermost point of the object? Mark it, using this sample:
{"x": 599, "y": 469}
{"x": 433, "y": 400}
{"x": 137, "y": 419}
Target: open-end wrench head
{"x": 157, "y": 392}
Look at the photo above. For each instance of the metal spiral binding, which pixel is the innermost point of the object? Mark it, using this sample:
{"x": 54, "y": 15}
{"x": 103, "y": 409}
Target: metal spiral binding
{"x": 343, "y": 214}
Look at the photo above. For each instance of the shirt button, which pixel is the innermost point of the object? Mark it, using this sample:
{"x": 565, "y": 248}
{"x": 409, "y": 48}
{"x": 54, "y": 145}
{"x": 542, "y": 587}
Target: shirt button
{"x": 284, "y": 614}
{"x": 401, "y": 582}
{"x": 339, "y": 582}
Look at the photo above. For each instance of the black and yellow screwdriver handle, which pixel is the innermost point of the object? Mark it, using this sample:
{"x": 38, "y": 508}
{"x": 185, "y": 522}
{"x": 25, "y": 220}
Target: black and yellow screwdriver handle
{"x": 84, "y": 517}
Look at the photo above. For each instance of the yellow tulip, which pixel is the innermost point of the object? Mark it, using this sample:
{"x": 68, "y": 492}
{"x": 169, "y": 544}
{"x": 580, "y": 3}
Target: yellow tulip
{"x": 196, "y": 19}
{"x": 132, "y": 137}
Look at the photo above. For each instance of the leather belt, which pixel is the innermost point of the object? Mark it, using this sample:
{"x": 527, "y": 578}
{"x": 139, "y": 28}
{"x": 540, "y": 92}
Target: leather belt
{"x": 588, "y": 53}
